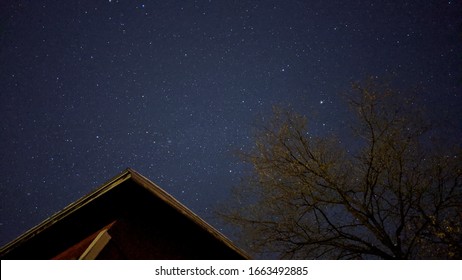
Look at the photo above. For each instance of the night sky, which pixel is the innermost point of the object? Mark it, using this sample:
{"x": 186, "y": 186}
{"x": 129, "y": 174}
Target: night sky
{"x": 173, "y": 88}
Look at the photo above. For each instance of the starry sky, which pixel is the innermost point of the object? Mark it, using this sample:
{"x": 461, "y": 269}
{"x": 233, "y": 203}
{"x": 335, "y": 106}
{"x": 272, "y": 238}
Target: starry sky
{"x": 173, "y": 88}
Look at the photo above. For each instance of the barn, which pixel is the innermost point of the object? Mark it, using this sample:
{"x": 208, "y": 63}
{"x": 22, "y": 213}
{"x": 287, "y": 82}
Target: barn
{"x": 129, "y": 217}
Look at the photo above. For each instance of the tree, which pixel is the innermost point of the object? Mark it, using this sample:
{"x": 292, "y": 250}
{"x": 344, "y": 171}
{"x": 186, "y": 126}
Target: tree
{"x": 395, "y": 195}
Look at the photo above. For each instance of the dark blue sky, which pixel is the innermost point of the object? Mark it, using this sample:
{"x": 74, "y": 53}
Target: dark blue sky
{"x": 172, "y": 88}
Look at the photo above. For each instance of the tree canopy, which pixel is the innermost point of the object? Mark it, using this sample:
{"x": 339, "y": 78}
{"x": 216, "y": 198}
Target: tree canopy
{"x": 395, "y": 195}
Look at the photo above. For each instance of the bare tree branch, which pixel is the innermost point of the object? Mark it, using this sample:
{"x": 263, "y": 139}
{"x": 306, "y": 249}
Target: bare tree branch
{"x": 396, "y": 198}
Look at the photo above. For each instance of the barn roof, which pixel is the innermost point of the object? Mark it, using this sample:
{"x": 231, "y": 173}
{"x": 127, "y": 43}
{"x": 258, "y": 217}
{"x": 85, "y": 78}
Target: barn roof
{"x": 127, "y": 179}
